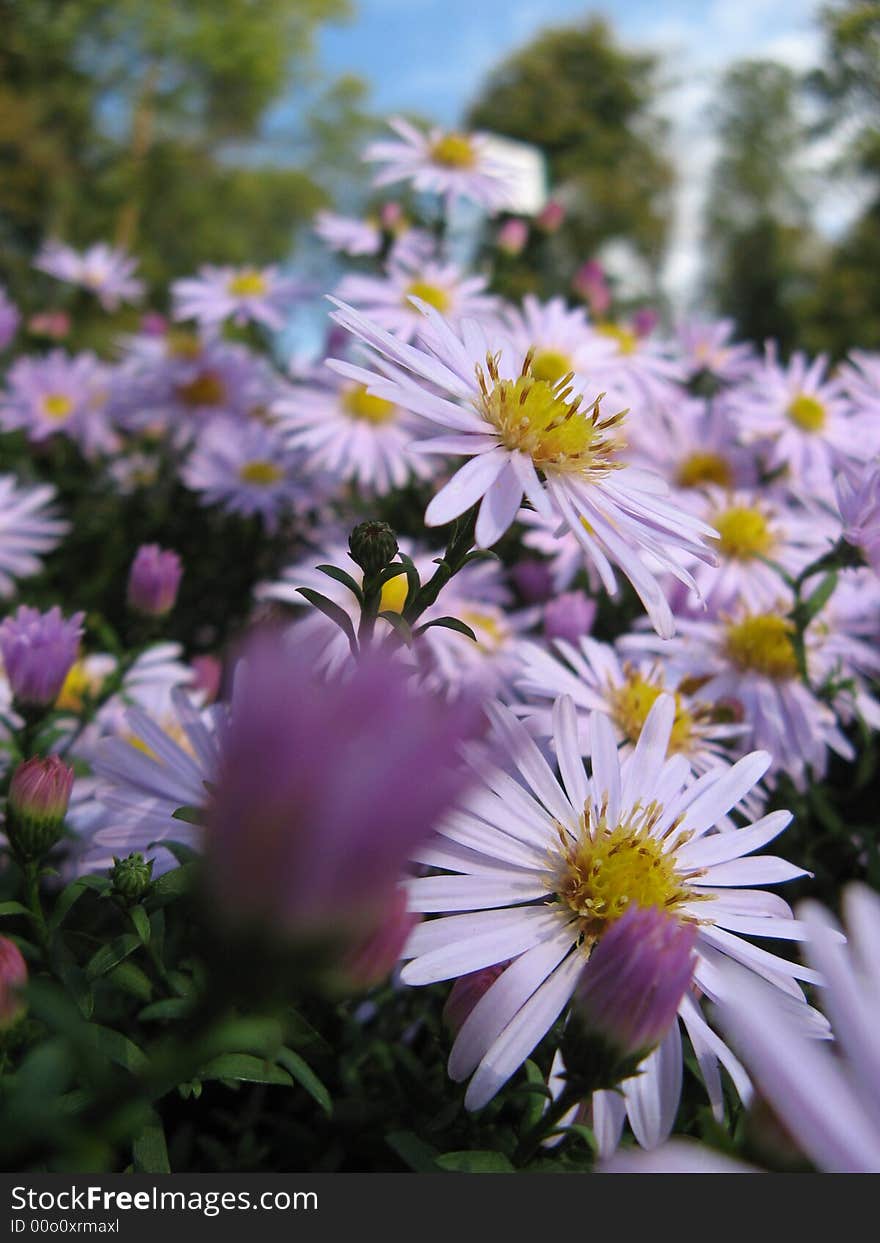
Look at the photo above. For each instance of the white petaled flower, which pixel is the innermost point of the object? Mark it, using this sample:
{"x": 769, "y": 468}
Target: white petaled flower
{"x": 860, "y": 378}
{"x": 352, "y": 435}
{"x": 349, "y": 234}
{"x": 388, "y": 299}
{"x": 244, "y": 295}
{"x": 538, "y": 868}
{"x": 528, "y": 437}
{"x": 749, "y": 661}
{"x": 753, "y": 530}
{"x": 159, "y": 765}
{"x": 29, "y": 528}
{"x": 596, "y": 679}
{"x": 561, "y": 338}
{"x": 803, "y": 421}
{"x": 444, "y": 162}
{"x": 246, "y": 468}
{"x": 827, "y": 1099}
{"x": 707, "y": 348}
{"x": 105, "y": 271}
{"x": 697, "y": 449}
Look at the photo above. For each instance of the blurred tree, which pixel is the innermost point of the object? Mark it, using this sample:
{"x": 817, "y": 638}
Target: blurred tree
{"x": 761, "y": 248}
{"x": 588, "y": 105}
{"x": 843, "y": 308}
{"x": 138, "y": 120}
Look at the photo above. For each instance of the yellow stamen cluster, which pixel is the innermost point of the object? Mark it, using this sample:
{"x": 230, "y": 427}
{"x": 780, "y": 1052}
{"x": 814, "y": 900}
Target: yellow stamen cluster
{"x": 744, "y": 533}
{"x": 607, "y": 869}
{"x": 394, "y": 593}
{"x": 182, "y": 344}
{"x": 490, "y": 630}
{"x": 249, "y": 283}
{"x": 701, "y": 468}
{"x": 79, "y": 685}
{"x": 262, "y": 474}
{"x": 206, "y": 389}
{"x": 551, "y": 365}
{"x": 436, "y": 297}
{"x": 807, "y": 413}
{"x": 625, "y": 338}
{"x": 544, "y": 420}
{"x": 57, "y": 406}
{"x": 633, "y": 700}
{"x": 363, "y": 406}
{"x": 454, "y": 151}
{"x": 762, "y": 644}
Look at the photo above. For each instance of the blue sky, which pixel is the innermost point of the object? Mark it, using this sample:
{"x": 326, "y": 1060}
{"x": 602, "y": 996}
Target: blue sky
{"x": 430, "y": 56}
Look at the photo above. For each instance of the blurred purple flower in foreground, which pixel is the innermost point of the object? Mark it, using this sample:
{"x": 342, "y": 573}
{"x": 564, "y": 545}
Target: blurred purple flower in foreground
{"x": 324, "y": 789}
{"x": 38, "y": 650}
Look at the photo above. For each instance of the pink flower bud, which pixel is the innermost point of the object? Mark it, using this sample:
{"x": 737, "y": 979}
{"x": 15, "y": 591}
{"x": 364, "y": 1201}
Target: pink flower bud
{"x": 512, "y": 236}
{"x": 13, "y": 978}
{"x": 466, "y": 992}
{"x": 551, "y": 218}
{"x": 153, "y": 580}
{"x": 372, "y": 959}
{"x": 39, "y": 794}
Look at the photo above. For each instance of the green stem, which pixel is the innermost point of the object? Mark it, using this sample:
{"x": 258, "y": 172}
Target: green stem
{"x": 461, "y": 541}
{"x": 547, "y": 1123}
{"x": 31, "y": 869}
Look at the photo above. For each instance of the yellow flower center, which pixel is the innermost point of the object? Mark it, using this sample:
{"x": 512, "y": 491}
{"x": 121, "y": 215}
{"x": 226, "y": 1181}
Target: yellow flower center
{"x": 700, "y": 468}
{"x": 436, "y": 297}
{"x": 763, "y": 644}
{"x": 551, "y": 365}
{"x": 454, "y": 151}
{"x": 249, "y": 283}
{"x": 745, "y": 533}
{"x": 262, "y": 474}
{"x": 393, "y": 596}
{"x": 807, "y": 413}
{"x": 182, "y": 344}
{"x": 631, "y": 703}
{"x": 207, "y": 389}
{"x": 174, "y": 731}
{"x": 625, "y": 338}
{"x": 359, "y": 404}
{"x": 490, "y": 630}
{"x": 604, "y": 871}
{"x": 78, "y": 685}
{"x": 542, "y": 419}
{"x": 57, "y": 406}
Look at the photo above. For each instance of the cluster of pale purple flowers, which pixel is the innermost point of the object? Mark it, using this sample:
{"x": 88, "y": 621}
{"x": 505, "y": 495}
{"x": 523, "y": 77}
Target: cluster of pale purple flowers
{"x": 549, "y": 781}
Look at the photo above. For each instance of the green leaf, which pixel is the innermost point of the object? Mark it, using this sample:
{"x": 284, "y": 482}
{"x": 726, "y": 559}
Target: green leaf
{"x": 306, "y": 1078}
{"x": 583, "y": 1132}
{"x": 449, "y": 623}
{"x": 129, "y": 977}
{"x": 13, "y": 908}
{"x": 397, "y": 623}
{"x": 116, "y": 1047}
{"x": 414, "y": 1152}
{"x": 168, "y": 1008}
{"x": 539, "y": 1093}
{"x": 476, "y": 1162}
{"x": 331, "y": 610}
{"x": 413, "y": 581}
{"x": 141, "y": 921}
{"x": 171, "y": 885}
{"x": 66, "y": 899}
{"x": 820, "y": 597}
{"x": 149, "y": 1151}
{"x": 189, "y": 815}
{"x": 242, "y": 1066}
{"x": 342, "y": 576}
{"x": 183, "y": 854}
{"x": 259, "y": 1036}
{"x": 107, "y": 957}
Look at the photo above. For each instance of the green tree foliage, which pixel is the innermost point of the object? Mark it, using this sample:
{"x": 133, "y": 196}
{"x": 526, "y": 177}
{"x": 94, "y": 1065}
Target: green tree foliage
{"x": 128, "y": 118}
{"x": 843, "y": 308}
{"x": 588, "y": 104}
{"x": 761, "y": 248}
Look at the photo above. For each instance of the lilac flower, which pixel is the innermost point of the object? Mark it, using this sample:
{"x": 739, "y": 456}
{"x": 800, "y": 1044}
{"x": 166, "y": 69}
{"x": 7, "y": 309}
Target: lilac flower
{"x": 58, "y": 394}
{"x": 858, "y": 499}
{"x": 28, "y": 528}
{"x": 244, "y": 295}
{"x": 105, "y": 271}
{"x": 153, "y": 580}
{"x": 529, "y": 437}
{"x": 706, "y": 346}
{"x": 9, "y": 319}
{"x": 444, "y": 286}
{"x": 38, "y": 650}
{"x": 244, "y": 467}
{"x": 39, "y": 795}
{"x": 348, "y": 234}
{"x": 631, "y": 989}
{"x": 569, "y": 616}
{"x": 448, "y": 163}
{"x": 324, "y": 789}
{"x": 512, "y": 236}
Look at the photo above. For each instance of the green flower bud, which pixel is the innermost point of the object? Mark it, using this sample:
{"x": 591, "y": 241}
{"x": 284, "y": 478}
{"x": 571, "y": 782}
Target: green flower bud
{"x": 131, "y": 877}
{"x": 372, "y": 545}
